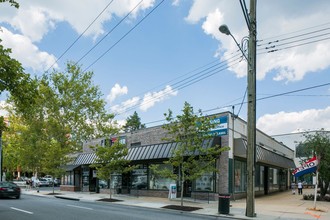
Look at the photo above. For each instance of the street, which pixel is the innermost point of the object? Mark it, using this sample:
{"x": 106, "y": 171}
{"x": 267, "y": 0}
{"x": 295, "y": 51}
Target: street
{"x": 35, "y": 207}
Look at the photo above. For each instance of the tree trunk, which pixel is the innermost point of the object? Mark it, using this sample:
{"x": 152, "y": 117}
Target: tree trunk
{"x": 182, "y": 186}
{"x": 324, "y": 185}
{"x": 110, "y": 186}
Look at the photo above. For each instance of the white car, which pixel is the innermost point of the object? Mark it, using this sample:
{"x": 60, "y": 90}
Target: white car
{"x": 49, "y": 178}
{"x": 41, "y": 182}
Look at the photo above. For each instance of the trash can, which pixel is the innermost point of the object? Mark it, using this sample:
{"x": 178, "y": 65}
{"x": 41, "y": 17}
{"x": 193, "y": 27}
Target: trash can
{"x": 97, "y": 189}
{"x": 224, "y": 202}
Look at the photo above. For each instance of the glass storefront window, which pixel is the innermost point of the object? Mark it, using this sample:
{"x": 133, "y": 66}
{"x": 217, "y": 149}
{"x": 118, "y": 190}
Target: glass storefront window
{"x": 116, "y": 181}
{"x": 139, "y": 177}
{"x": 273, "y": 179}
{"x": 240, "y": 176}
{"x": 68, "y": 178}
{"x": 159, "y": 182}
{"x": 262, "y": 177}
{"x": 205, "y": 183}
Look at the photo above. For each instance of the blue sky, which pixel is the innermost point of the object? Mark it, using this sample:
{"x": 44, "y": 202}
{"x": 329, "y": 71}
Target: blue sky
{"x": 155, "y": 61}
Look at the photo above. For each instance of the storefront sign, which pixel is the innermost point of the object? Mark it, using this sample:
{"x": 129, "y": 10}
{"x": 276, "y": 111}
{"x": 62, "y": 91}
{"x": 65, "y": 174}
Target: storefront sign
{"x": 172, "y": 192}
{"x": 221, "y": 126}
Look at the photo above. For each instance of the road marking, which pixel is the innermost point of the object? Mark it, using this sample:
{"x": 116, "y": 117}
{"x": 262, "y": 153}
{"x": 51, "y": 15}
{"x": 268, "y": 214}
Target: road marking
{"x": 21, "y": 210}
{"x": 80, "y": 207}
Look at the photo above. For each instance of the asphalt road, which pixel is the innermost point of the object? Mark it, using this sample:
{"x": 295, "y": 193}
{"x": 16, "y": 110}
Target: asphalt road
{"x": 40, "y": 208}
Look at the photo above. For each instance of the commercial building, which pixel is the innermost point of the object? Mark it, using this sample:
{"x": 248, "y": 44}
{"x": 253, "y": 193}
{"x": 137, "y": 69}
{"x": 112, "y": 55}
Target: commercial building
{"x": 146, "y": 147}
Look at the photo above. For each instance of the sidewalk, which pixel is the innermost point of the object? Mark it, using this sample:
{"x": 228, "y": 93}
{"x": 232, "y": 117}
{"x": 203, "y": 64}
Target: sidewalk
{"x": 282, "y": 205}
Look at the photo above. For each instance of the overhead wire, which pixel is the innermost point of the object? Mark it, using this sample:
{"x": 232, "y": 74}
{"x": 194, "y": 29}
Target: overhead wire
{"x": 203, "y": 74}
{"x": 200, "y": 77}
{"x": 183, "y": 85}
{"x": 197, "y": 76}
{"x": 125, "y": 35}
{"x": 296, "y": 40}
{"x": 259, "y": 99}
{"x": 109, "y": 32}
{"x": 75, "y": 41}
{"x": 294, "y": 32}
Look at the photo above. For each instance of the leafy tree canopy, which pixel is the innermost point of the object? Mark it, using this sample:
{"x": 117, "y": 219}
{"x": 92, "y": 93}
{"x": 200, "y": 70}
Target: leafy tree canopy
{"x": 318, "y": 144}
{"x": 11, "y": 2}
{"x": 133, "y": 123}
{"x": 193, "y": 155}
{"x": 111, "y": 159}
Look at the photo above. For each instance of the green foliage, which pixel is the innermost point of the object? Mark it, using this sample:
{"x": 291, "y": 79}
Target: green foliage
{"x": 13, "y": 79}
{"x": 319, "y": 144}
{"x": 111, "y": 159}
{"x": 193, "y": 156}
{"x": 133, "y": 123}
{"x": 11, "y": 2}
{"x": 66, "y": 110}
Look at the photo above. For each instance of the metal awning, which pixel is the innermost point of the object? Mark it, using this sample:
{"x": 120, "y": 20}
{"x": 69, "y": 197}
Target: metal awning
{"x": 85, "y": 158}
{"x": 146, "y": 152}
{"x": 263, "y": 155}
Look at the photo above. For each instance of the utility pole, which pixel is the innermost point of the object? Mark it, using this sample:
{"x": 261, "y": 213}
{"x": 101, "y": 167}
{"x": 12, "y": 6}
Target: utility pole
{"x": 251, "y": 114}
{"x": 1, "y": 157}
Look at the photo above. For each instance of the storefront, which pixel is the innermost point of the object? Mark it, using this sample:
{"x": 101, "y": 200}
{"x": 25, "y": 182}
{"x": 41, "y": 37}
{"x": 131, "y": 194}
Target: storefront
{"x": 146, "y": 148}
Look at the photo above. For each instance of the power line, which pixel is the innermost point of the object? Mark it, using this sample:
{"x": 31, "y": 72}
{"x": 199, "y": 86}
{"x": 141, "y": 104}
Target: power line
{"x": 268, "y": 97}
{"x": 109, "y": 32}
{"x": 75, "y": 41}
{"x": 289, "y": 38}
{"x": 185, "y": 84}
{"x": 295, "y": 133}
{"x": 103, "y": 54}
{"x": 208, "y": 70}
{"x": 293, "y": 32}
{"x": 195, "y": 77}
{"x": 296, "y": 45}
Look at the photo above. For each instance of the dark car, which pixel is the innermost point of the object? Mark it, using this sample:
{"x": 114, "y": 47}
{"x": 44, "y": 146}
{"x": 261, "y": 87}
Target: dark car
{"x": 9, "y": 189}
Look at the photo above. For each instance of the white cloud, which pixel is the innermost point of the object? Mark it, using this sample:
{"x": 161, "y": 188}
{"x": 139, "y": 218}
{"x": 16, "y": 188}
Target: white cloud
{"x": 125, "y": 105}
{"x": 274, "y": 18}
{"x": 287, "y": 122}
{"x": 35, "y": 18}
{"x": 26, "y": 52}
{"x": 150, "y": 99}
{"x": 116, "y": 91}
{"x": 3, "y": 106}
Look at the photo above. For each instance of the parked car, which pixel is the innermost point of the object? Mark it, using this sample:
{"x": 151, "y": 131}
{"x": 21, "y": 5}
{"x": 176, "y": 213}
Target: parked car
{"x": 49, "y": 178}
{"x": 41, "y": 182}
{"x": 103, "y": 184}
{"x": 9, "y": 189}
{"x": 57, "y": 182}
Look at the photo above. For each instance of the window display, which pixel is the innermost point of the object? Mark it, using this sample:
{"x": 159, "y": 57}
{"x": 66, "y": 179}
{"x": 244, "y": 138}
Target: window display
{"x": 139, "y": 177}
{"x": 158, "y": 182}
{"x": 205, "y": 183}
{"x": 240, "y": 176}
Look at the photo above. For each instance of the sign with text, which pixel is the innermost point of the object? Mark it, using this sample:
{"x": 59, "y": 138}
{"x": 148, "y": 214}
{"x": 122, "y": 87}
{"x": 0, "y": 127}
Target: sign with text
{"x": 221, "y": 126}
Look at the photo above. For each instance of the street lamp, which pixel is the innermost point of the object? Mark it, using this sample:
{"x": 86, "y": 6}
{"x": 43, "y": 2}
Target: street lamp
{"x": 251, "y": 111}
{"x": 225, "y": 30}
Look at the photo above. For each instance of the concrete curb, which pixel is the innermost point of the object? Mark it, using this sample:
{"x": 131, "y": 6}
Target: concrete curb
{"x": 67, "y": 198}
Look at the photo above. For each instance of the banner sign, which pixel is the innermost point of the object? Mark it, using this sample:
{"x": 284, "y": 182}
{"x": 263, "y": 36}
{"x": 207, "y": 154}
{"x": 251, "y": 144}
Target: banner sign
{"x": 221, "y": 126}
{"x": 309, "y": 167}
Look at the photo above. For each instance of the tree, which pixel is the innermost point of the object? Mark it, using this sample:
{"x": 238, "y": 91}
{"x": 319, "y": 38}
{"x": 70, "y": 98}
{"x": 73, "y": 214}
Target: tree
{"x": 111, "y": 159}
{"x": 192, "y": 134}
{"x": 133, "y": 123}
{"x": 66, "y": 111}
{"x": 11, "y": 2}
{"x": 319, "y": 144}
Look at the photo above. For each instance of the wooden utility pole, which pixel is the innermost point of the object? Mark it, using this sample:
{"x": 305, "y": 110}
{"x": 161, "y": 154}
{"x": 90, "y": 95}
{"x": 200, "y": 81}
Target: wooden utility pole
{"x": 251, "y": 114}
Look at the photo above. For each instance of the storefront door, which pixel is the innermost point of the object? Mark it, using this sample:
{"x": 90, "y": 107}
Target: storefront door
{"x": 187, "y": 188}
